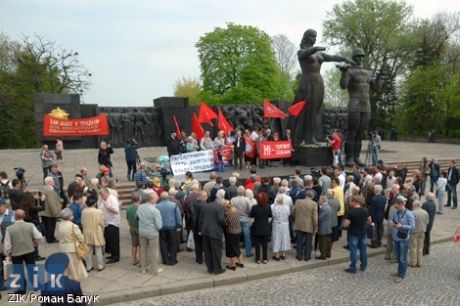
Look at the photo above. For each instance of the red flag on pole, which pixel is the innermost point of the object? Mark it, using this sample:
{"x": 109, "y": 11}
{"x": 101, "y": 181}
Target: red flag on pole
{"x": 271, "y": 111}
{"x": 296, "y": 109}
{"x": 223, "y": 124}
{"x": 177, "y": 126}
{"x": 206, "y": 114}
{"x": 197, "y": 128}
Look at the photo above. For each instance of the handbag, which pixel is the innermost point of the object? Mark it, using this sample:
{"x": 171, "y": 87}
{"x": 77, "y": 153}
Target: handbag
{"x": 81, "y": 248}
{"x": 402, "y": 234}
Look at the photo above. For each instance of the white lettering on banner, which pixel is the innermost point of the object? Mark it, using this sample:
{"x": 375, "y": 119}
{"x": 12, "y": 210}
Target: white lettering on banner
{"x": 193, "y": 162}
{"x": 267, "y": 150}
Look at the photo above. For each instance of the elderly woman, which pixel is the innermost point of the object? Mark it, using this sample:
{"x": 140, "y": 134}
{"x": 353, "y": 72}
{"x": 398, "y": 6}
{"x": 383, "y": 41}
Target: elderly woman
{"x": 250, "y": 195}
{"x": 262, "y": 215}
{"x": 232, "y": 236}
{"x": 70, "y": 236}
{"x": 220, "y": 197}
{"x": 92, "y": 220}
{"x": 192, "y": 144}
{"x": 281, "y": 240}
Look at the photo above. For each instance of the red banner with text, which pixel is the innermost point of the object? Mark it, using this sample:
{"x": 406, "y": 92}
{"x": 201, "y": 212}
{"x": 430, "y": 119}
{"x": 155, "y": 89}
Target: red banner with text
{"x": 275, "y": 149}
{"x": 91, "y": 126}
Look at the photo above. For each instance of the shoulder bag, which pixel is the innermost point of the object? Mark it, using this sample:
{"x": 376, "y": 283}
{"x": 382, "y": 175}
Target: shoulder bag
{"x": 81, "y": 248}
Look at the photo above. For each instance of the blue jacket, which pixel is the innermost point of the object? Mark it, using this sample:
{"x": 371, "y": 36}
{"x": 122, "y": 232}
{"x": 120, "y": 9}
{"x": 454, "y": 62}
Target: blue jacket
{"x": 407, "y": 220}
{"x": 76, "y": 210}
{"x": 170, "y": 214}
{"x": 131, "y": 152}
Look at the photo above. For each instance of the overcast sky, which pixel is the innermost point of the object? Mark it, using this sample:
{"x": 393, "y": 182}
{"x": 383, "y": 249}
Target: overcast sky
{"x": 137, "y": 49}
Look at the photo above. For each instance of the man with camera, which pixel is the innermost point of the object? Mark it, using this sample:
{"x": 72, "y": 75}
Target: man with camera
{"x": 131, "y": 157}
{"x": 402, "y": 223}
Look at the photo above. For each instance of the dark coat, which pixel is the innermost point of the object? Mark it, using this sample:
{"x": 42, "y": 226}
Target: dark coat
{"x": 195, "y": 212}
{"x": 377, "y": 208}
{"x": 173, "y": 146}
{"x": 242, "y": 147}
{"x": 103, "y": 158}
{"x": 455, "y": 176}
{"x": 261, "y": 213}
{"x": 212, "y": 220}
{"x": 430, "y": 208}
{"x": 131, "y": 152}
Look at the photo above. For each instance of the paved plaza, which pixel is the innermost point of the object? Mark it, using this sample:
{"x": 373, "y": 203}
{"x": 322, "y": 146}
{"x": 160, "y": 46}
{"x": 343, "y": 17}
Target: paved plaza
{"x": 436, "y": 281}
{"x": 393, "y": 152}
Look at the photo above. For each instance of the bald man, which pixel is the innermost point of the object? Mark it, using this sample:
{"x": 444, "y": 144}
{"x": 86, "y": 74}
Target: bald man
{"x": 20, "y": 239}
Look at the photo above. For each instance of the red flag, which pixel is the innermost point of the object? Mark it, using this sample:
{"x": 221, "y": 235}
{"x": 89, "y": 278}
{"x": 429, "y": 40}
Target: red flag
{"x": 223, "y": 124}
{"x": 206, "y": 114}
{"x": 297, "y": 108}
{"x": 271, "y": 111}
{"x": 177, "y": 126}
{"x": 197, "y": 128}
{"x": 250, "y": 150}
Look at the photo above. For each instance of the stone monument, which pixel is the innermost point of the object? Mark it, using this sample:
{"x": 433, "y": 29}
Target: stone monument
{"x": 358, "y": 81}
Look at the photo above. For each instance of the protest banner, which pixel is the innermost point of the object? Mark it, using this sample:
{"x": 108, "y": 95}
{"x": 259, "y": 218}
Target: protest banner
{"x": 59, "y": 127}
{"x": 275, "y": 149}
{"x": 193, "y": 162}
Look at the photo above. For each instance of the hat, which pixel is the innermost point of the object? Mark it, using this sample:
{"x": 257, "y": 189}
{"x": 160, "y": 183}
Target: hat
{"x": 156, "y": 181}
{"x": 56, "y": 263}
{"x": 105, "y": 169}
{"x": 3, "y": 202}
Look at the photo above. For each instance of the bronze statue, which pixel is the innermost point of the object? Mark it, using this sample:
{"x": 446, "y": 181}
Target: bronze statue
{"x": 358, "y": 81}
{"x": 311, "y": 87}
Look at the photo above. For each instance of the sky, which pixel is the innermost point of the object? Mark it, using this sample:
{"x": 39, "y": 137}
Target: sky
{"x": 137, "y": 49}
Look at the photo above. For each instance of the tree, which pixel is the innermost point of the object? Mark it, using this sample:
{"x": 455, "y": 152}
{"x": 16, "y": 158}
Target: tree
{"x": 382, "y": 29}
{"x": 188, "y": 87}
{"x": 429, "y": 98}
{"x": 237, "y": 65}
{"x": 334, "y": 95}
{"x": 285, "y": 53}
{"x": 28, "y": 67}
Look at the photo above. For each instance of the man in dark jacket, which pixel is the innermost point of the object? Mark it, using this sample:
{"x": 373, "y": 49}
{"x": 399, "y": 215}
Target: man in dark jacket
{"x": 377, "y": 212}
{"x": 105, "y": 151}
{"x": 430, "y": 208}
{"x": 195, "y": 212}
{"x": 453, "y": 177}
{"x": 131, "y": 157}
{"x": 211, "y": 224}
{"x": 173, "y": 144}
{"x": 239, "y": 147}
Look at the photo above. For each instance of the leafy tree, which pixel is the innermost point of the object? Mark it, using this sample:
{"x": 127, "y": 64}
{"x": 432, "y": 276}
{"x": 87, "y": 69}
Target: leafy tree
{"x": 285, "y": 53}
{"x": 334, "y": 96}
{"x": 382, "y": 29}
{"x": 188, "y": 87}
{"x": 26, "y": 68}
{"x": 238, "y": 65}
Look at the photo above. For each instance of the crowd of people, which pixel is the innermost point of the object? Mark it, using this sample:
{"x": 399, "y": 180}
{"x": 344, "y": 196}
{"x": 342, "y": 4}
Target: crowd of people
{"x": 309, "y": 213}
{"x": 243, "y": 143}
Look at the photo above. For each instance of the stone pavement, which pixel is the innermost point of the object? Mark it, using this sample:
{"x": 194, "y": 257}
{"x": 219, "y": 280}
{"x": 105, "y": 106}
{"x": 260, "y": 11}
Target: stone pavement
{"x": 392, "y": 152}
{"x": 436, "y": 283}
{"x": 123, "y": 282}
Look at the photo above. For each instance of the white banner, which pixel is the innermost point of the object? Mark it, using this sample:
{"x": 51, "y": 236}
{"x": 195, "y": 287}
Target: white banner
{"x": 193, "y": 162}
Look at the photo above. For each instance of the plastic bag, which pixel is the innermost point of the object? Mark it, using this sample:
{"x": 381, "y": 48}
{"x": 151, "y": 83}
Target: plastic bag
{"x": 191, "y": 241}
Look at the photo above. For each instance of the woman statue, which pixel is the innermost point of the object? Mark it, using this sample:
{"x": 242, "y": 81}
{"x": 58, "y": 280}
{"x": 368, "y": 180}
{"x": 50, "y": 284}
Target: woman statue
{"x": 311, "y": 87}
